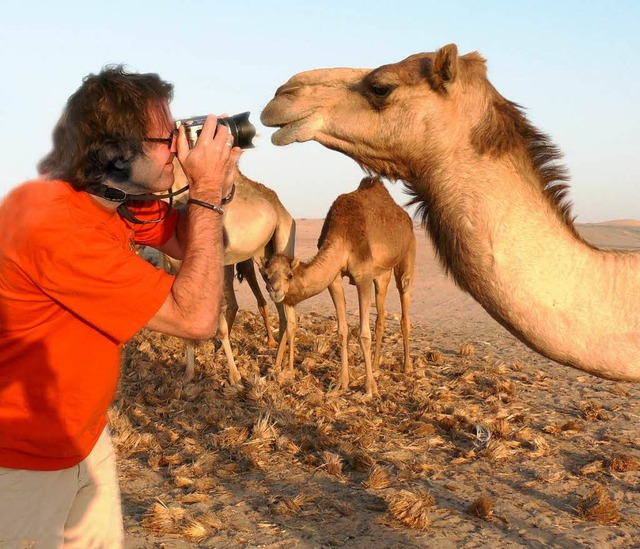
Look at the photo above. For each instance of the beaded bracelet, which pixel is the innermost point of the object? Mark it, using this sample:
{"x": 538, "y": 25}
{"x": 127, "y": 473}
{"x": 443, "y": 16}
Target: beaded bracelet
{"x": 212, "y": 207}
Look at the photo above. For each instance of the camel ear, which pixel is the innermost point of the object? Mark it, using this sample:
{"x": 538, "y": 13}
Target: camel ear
{"x": 294, "y": 263}
{"x": 445, "y": 66}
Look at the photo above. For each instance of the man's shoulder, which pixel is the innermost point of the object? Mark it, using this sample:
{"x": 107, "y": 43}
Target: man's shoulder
{"x": 42, "y": 210}
{"x": 37, "y": 192}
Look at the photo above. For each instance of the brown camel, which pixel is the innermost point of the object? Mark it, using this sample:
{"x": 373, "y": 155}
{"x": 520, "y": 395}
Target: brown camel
{"x": 365, "y": 236}
{"x": 491, "y": 194}
{"x": 256, "y": 225}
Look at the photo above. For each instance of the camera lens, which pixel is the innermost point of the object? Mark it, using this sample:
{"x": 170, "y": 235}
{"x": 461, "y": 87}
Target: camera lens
{"x": 241, "y": 129}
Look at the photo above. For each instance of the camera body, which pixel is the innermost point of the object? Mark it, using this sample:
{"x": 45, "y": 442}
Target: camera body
{"x": 239, "y": 127}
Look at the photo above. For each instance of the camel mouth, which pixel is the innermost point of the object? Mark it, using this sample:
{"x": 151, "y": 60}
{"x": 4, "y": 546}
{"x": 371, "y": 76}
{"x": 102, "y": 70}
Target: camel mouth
{"x": 289, "y": 133}
{"x": 292, "y": 127}
{"x": 277, "y": 298}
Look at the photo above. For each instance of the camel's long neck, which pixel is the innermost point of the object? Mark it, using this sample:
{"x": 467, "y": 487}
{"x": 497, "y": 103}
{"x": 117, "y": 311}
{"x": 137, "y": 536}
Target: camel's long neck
{"x": 315, "y": 276}
{"x": 506, "y": 245}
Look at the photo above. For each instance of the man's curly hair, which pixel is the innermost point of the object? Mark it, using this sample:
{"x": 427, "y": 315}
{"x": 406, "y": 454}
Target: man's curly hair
{"x": 103, "y": 122}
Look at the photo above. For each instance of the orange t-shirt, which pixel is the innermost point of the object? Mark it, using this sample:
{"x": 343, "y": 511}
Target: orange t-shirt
{"x": 72, "y": 291}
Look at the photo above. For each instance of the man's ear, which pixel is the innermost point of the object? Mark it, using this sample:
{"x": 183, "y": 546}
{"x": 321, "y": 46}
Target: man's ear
{"x": 444, "y": 70}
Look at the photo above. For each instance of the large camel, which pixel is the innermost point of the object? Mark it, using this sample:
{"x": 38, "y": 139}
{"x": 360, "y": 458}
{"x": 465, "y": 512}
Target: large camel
{"x": 365, "y": 237}
{"x": 490, "y": 192}
{"x": 256, "y": 225}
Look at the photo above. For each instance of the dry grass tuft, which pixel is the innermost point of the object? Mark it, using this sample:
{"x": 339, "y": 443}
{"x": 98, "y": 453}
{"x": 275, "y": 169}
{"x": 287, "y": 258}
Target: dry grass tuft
{"x": 597, "y": 506}
{"x": 621, "y": 463}
{"x": 196, "y": 531}
{"x": 412, "y": 508}
{"x": 496, "y": 451}
{"x": 592, "y": 468}
{"x": 501, "y": 428}
{"x": 467, "y": 350}
{"x": 332, "y": 463}
{"x": 482, "y": 507}
{"x": 592, "y": 411}
{"x": 291, "y": 506}
{"x": 379, "y": 478}
{"x": 435, "y": 356}
{"x": 164, "y": 520}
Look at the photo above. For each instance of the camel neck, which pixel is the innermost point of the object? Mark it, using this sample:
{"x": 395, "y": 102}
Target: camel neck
{"x": 313, "y": 277}
{"x": 506, "y": 245}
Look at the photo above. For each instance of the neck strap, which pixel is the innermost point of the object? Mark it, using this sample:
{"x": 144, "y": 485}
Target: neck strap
{"x": 116, "y": 195}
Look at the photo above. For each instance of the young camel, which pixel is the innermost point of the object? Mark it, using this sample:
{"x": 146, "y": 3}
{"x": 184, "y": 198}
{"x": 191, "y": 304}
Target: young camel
{"x": 256, "y": 225}
{"x": 490, "y": 192}
{"x": 365, "y": 236}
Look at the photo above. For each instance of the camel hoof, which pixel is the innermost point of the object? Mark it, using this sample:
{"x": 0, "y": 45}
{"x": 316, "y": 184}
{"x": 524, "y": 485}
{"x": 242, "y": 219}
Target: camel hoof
{"x": 272, "y": 343}
{"x": 286, "y": 376}
{"x": 338, "y": 390}
{"x": 235, "y": 380}
{"x": 372, "y": 392}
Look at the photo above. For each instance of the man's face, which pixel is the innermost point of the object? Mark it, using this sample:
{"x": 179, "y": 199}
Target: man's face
{"x": 154, "y": 169}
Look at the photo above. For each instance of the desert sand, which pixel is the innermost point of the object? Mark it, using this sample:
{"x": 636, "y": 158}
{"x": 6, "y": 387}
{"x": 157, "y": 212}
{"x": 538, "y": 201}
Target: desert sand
{"x": 486, "y": 444}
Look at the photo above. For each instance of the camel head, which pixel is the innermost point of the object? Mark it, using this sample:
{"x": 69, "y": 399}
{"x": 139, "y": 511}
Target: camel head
{"x": 385, "y": 118}
{"x": 278, "y": 274}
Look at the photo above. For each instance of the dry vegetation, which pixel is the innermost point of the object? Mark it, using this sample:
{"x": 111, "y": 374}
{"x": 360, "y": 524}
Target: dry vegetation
{"x": 466, "y": 450}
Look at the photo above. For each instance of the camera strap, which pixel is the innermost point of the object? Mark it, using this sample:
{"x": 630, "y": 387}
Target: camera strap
{"x": 116, "y": 195}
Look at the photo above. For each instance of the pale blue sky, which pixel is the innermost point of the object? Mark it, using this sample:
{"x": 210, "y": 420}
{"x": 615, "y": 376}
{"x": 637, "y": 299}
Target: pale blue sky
{"x": 572, "y": 64}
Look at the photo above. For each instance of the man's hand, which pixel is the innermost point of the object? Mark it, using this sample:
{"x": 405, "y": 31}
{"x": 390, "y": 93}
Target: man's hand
{"x": 211, "y": 165}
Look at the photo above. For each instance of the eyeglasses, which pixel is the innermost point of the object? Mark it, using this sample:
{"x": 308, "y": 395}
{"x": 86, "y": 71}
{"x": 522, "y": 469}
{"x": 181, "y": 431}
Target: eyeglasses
{"x": 167, "y": 140}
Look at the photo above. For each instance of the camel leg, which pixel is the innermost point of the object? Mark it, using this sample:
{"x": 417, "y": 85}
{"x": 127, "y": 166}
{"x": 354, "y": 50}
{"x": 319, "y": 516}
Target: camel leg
{"x": 282, "y": 320}
{"x": 282, "y": 344}
{"x": 381, "y": 285}
{"x": 290, "y": 335}
{"x": 364, "y": 303}
{"x": 246, "y": 271}
{"x": 292, "y": 326}
{"x": 282, "y": 334}
{"x": 337, "y": 296}
{"x": 191, "y": 361}
{"x": 225, "y": 323}
{"x": 404, "y": 282}
{"x": 284, "y": 240}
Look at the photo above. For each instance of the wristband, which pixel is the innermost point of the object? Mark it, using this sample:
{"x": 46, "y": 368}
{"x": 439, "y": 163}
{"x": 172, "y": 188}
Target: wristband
{"x": 229, "y": 197}
{"x": 211, "y": 207}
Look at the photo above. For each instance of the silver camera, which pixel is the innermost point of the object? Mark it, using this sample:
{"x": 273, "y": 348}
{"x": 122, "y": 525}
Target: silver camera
{"x": 239, "y": 127}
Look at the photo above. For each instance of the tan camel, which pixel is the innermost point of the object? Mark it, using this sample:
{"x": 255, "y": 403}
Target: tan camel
{"x": 256, "y": 225}
{"x": 490, "y": 192}
{"x": 365, "y": 236}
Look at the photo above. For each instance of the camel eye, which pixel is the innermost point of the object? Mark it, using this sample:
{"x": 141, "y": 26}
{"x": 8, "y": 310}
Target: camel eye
{"x": 380, "y": 90}
{"x": 290, "y": 276}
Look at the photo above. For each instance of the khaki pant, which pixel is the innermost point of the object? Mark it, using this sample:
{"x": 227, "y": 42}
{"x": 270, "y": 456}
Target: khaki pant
{"x": 75, "y": 508}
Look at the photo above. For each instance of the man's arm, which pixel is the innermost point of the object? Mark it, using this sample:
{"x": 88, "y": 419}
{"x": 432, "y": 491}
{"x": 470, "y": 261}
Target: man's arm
{"x": 175, "y": 246}
{"x": 192, "y": 307}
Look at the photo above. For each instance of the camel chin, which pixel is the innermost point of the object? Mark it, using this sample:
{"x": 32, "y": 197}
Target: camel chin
{"x": 295, "y": 132}
{"x": 292, "y": 128}
{"x": 277, "y": 297}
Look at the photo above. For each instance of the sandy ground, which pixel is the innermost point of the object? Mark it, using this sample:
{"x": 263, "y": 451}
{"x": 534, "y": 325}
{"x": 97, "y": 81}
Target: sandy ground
{"x": 486, "y": 443}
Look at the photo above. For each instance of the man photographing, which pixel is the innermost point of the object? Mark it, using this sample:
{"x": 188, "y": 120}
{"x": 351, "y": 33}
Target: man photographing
{"x": 72, "y": 291}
